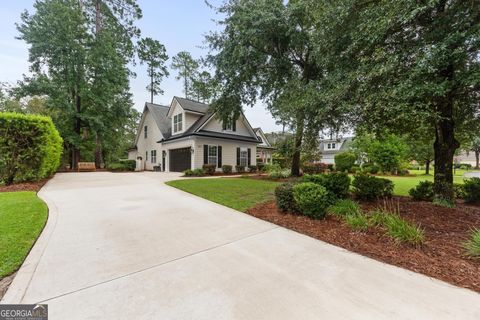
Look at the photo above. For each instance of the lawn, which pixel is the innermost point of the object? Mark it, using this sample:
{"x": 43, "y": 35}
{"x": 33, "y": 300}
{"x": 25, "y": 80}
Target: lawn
{"x": 22, "y": 217}
{"x": 237, "y": 193}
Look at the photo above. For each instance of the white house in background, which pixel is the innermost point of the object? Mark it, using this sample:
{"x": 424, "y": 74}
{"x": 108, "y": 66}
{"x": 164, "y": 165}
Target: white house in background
{"x": 331, "y": 147}
{"x": 187, "y": 135}
{"x": 264, "y": 149}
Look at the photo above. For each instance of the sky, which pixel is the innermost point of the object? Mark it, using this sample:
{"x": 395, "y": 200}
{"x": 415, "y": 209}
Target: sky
{"x": 180, "y": 25}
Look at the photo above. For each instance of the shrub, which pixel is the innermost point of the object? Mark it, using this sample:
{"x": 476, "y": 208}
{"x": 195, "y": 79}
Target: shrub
{"x": 472, "y": 245}
{"x": 330, "y": 167}
{"x": 377, "y": 217}
{"x": 280, "y": 174}
{"x": 358, "y": 222}
{"x": 117, "y": 167}
{"x": 194, "y": 173}
{"x": 30, "y": 147}
{"x": 337, "y": 183}
{"x": 227, "y": 168}
{"x": 261, "y": 167}
{"x": 311, "y": 199}
{"x": 471, "y": 189}
{"x": 459, "y": 190}
{"x": 345, "y": 161}
{"x": 272, "y": 167}
{"x": 240, "y": 169}
{"x": 403, "y": 231}
{"x": 209, "y": 169}
{"x": 314, "y": 167}
{"x": 369, "y": 187}
{"x": 423, "y": 191}
{"x": 354, "y": 169}
{"x": 252, "y": 168}
{"x": 284, "y": 198}
{"x": 343, "y": 208}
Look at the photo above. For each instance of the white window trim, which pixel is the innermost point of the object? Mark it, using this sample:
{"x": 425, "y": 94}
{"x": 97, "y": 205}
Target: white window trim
{"x": 176, "y": 123}
{"x": 153, "y": 156}
{"x": 213, "y": 157}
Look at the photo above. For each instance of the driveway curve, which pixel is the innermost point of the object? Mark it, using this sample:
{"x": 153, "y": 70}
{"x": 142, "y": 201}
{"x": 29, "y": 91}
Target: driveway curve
{"x": 127, "y": 246}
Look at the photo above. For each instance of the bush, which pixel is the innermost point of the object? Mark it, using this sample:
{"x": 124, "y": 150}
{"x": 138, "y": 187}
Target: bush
{"x": 240, "y": 169}
{"x": 261, "y": 167}
{"x": 336, "y": 183}
{"x": 227, "y": 168}
{"x": 343, "y": 208}
{"x": 314, "y": 167}
{"x": 354, "y": 169}
{"x": 423, "y": 191}
{"x": 284, "y": 198}
{"x": 129, "y": 165}
{"x": 280, "y": 174}
{"x": 312, "y": 199}
{"x": 117, "y": 167}
{"x": 369, "y": 187}
{"x": 403, "y": 231}
{"x": 358, "y": 222}
{"x": 345, "y": 161}
{"x": 252, "y": 168}
{"x": 370, "y": 168}
{"x": 472, "y": 246}
{"x": 459, "y": 191}
{"x": 194, "y": 173}
{"x": 209, "y": 169}
{"x": 30, "y": 147}
{"x": 471, "y": 189}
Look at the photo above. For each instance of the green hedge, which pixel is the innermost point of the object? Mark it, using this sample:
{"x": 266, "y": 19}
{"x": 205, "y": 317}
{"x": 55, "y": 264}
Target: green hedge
{"x": 30, "y": 147}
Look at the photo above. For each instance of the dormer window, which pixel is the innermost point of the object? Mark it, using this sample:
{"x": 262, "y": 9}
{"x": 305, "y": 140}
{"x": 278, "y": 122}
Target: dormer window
{"x": 177, "y": 122}
{"x": 331, "y": 146}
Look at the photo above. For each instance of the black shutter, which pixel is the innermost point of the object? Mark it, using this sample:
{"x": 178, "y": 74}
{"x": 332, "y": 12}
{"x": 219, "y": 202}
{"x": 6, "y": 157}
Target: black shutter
{"x": 219, "y": 153}
{"x": 205, "y": 153}
{"x": 234, "y": 125}
{"x": 249, "y": 156}
{"x": 238, "y": 156}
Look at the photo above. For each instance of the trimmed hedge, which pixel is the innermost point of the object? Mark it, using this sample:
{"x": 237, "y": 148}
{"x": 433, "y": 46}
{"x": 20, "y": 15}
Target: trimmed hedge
{"x": 312, "y": 199}
{"x": 122, "y": 165}
{"x": 209, "y": 169}
{"x": 369, "y": 187}
{"x": 30, "y": 147}
{"x": 194, "y": 173}
{"x": 422, "y": 191}
{"x": 284, "y": 197}
{"x": 337, "y": 183}
{"x": 226, "y": 168}
{"x": 345, "y": 161}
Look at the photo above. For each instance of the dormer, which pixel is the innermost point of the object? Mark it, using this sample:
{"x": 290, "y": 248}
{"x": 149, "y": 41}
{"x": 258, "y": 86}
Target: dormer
{"x": 183, "y": 113}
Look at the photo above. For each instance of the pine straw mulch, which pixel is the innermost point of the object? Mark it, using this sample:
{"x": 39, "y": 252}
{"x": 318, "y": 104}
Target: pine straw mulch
{"x": 24, "y": 186}
{"x": 441, "y": 256}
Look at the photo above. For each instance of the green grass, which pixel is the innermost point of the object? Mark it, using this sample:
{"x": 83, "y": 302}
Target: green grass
{"x": 236, "y": 193}
{"x": 358, "y": 222}
{"x": 404, "y": 184}
{"x": 22, "y": 217}
{"x": 344, "y": 207}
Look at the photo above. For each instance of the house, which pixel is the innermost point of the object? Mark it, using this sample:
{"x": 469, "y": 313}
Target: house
{"x": 187, "y": 135}
{"x": 264, "y": 149}
{"x": 331, "y": 147}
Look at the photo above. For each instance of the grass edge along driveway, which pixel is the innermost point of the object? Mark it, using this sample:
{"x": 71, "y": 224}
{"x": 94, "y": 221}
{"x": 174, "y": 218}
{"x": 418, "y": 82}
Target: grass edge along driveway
{"x": 22, "y": 217}
{"x": 237, "y": 193}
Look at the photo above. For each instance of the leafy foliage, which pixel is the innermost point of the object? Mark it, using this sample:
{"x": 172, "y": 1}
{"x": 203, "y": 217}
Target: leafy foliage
{"x": 403, "y": 231}
{"x": 209, "y": 168}
{"x": 30, "y": 147}
{"x": 472, "y": 245}
{"x": 345, "y": 161}
{"x": 194, "y": 173}
{"x": 358, "y": 222}
{"x": 471, "y": 188}
{"x": 337, "y": 183}
{"x": 312, "y": 199}
{"x": 226, "y": 168}
{"x": 186, "y": 67}
{"x": 153, "y": 54}
{"x": 344, "y": 207}
{"x": 423, "y": 191}
{"x": 389, "y": 153}
{"x": 284, "y": 197}
{"x": 369, "y": 187}
{"x": 314, "y": 167}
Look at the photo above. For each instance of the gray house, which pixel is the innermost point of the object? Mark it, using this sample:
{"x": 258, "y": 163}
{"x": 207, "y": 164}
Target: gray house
{"x": 330, "y": 147}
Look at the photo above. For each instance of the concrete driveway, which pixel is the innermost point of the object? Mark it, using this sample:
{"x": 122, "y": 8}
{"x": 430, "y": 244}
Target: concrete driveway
{"x": 127, "y": 246}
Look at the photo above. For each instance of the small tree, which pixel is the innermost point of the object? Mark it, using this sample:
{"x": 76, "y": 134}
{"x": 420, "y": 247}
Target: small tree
{"x": 389, "y": 153}
{"x": 345, "y": 161}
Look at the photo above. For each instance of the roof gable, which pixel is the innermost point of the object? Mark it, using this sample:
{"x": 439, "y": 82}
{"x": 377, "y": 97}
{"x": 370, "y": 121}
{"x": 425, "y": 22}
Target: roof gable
{"x": 259, "y": 131}
{"x": 159, "y": 115}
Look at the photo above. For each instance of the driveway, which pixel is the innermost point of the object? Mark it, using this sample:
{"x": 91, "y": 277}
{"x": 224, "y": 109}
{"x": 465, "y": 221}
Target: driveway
{"x": 127, "y": 246}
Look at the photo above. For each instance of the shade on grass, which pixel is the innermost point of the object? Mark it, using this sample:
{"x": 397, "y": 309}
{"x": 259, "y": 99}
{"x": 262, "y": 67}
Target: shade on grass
{"x": 22, "y": 217}
{"x": 237, "y": 193}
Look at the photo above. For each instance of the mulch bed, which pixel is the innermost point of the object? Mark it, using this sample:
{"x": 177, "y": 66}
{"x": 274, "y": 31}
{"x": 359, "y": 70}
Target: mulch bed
{"x": 25, "y": 186}
{"x": 441, "y": 256}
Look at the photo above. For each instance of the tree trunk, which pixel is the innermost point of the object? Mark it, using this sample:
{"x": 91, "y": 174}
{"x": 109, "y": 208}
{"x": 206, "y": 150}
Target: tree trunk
{"x": 98, "y": 151}
{"x": 77, "y": 128}
{"x": 151, "y": 85}
{"x": 295, "y": 170}
{"x": 477, "y": 158}
{"x": 427, "y": 166}
{"x": 444, "y": 150}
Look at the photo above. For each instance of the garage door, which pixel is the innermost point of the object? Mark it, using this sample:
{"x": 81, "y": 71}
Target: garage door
{"x": 180, "y": 159}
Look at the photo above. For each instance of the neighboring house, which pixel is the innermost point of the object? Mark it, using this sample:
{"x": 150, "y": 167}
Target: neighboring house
{"x": 466, "y": 157}
{"x": 331, "y": 147}
{"x": 264, "y": 149}
{"x": 187, "y": 135}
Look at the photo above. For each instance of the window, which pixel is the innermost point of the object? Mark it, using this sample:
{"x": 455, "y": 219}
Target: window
{"x": 145, "y": 132}
{"x": 243, "y": 157}
{"x": 330, "y": 146}
{"x": 212, "y": 155}
{"x": 177, "y": 122}
{"x": 153, "y": 156}
{"x": 146, "y": 156}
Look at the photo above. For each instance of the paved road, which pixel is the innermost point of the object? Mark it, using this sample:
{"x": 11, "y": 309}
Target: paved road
{"x": 126, "y": 246}
{"x": 472, "y": 174}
